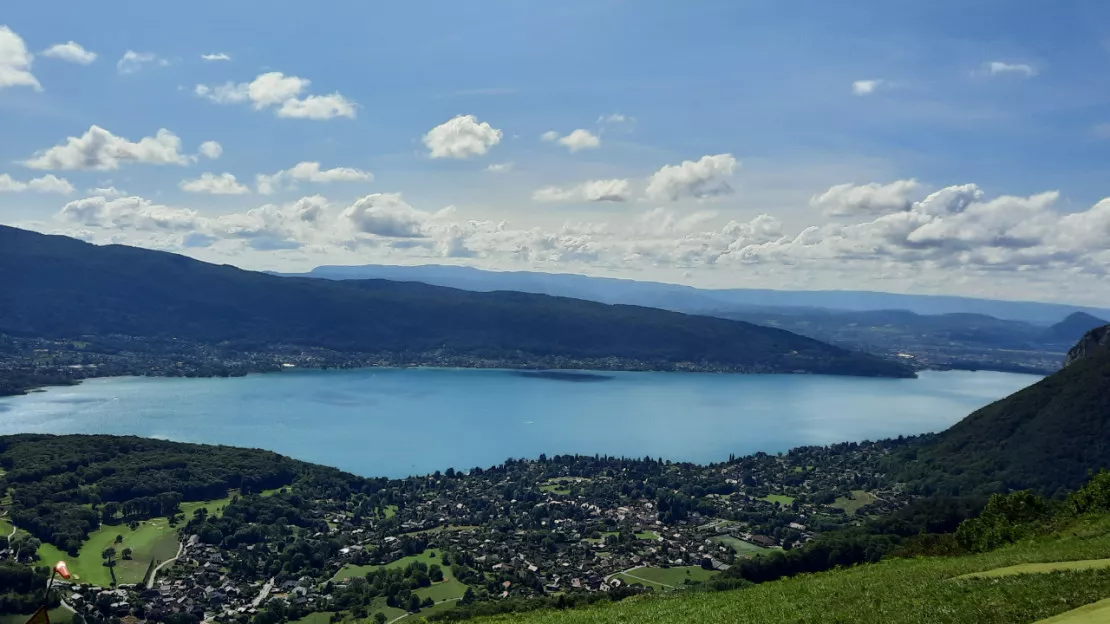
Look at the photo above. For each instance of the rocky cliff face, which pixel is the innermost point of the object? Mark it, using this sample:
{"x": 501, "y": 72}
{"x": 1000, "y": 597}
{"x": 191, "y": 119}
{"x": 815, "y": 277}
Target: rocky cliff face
{"x": 1095, "y": 341}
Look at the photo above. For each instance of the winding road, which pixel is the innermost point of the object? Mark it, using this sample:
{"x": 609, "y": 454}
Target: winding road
{"x": 154, "y": 573}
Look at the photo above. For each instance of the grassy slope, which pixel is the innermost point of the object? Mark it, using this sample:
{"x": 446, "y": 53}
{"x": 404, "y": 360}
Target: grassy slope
{"x": 153, "y": 540}
{"x": 741, "y": 547}
{"x": 1095, "y": 613}
{"x": 860, "y": 499}
{"x": 910, "y": 591}
{"x": 57, "y": 616}
{"x": 666, "y": 578}
{"x": 349, "y": 571}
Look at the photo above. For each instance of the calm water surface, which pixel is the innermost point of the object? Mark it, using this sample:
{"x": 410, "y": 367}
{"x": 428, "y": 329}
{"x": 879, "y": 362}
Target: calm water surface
{"x": 393, "y": 422}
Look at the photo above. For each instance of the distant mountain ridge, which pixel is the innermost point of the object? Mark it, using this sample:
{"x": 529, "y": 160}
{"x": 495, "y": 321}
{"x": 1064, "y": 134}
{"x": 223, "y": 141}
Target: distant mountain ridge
{"x": 54, "y": 286}
{"x": 688, "y": 299}
{"x": 1074, "y": 327}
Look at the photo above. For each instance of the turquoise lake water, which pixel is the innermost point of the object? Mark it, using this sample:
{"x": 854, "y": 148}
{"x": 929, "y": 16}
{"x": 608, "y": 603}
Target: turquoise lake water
{"x": 397, "y": 422}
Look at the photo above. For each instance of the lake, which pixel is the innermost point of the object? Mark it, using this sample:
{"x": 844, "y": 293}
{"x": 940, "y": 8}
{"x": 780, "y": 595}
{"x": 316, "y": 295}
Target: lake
{"x": 397, "y": 422}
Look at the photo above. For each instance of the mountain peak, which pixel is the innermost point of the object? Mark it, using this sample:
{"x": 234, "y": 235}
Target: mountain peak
{"x": 1095, "y": 341}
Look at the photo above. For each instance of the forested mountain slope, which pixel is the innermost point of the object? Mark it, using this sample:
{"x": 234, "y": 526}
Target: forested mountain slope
{"x": 1046, "y": 437}
{"x": 61, "y": 287}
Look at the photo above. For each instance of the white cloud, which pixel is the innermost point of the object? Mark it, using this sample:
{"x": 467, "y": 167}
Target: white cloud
{"x": 850, "y": 199}
{"x": 704, "y": 178}
{"x": 387, "y": 215}
{"x": 461, "y": 137}
{"x": 71, "y": 52}
{"x": 504, "y": 167}
{"x": 579, "y": 139}
{"x": 998, "y": 67}
{"x": 218, "y": 56}
{"x": 128, "y": 213}
{"x": 228, "y": 93}
{"x": 222, "y": 184}
{"x": 308, "y": 172}
{"x": 211, "y": 150}
{"x": 100, "y": 149}
{"x": 15, "y": 62}
{"x": 318, "y": 107}
{"x": 106, "y": 191}
{"x": 615, "y": 118}
{"x": 592, "y": 191}
{"x": 46, "y": 184}
{"x": 865, "y": 87}
{"x": 133, "y": 61}
{"x": 276, "y": 89}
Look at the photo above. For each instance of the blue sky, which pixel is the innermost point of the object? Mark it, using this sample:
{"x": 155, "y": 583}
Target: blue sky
{"x": 829, "y": 145}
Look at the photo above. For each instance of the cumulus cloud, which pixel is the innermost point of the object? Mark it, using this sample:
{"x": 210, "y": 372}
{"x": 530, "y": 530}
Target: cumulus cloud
{"x": 128, "y": 213}
{"x": 461, "y": 137}
{"x": 222, "y": 184}
{"x": 46, "y": 184}
{"x": 211, "y": 150}
{"x": 591, "y": 191}
{"x": 387, "y": 215}
{"x": 218, "y": 56}
{"x": 704, "y": 178}
{"x": 71, "y": 52}
{"x": 275, "y": 89}
{"x": 865, "y": 87}
{"x": 15, "y": 62}
{"x": 308, "y": 172}
{"x": 995, "y": 68}
{"x": 100, "y": 149}
{"x": 579, "y": 139}
{"x": 133, "y": 61}
{"x": 850, "y": 199}
{"x": 504, "y": 167}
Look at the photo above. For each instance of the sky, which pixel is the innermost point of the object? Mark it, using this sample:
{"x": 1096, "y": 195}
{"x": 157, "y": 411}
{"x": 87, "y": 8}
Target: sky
{"x": 940, "y": 147}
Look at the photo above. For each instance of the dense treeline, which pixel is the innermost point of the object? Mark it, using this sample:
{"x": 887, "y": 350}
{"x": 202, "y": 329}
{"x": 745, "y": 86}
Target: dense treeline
{"x": 1046, "y": 437}
{"x": 61, "y": 287}
{"x": 63, "y": 487}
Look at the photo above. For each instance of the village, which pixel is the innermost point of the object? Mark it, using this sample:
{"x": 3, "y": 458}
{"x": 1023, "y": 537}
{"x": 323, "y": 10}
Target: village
{"x": 529, "y": 529}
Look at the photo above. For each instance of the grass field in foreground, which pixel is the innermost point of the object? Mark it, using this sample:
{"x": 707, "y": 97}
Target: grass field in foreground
{"x": 154, "y": 540}
{"x": 900, "y": 591}
{"x": 859, "y": 499}
{"x": 1095, "y": 613}
{"x": 1042, "y": 568}
{"x": 349, "y": 571}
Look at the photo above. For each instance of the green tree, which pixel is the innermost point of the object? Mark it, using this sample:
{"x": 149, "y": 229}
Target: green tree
{"x": 379, "y": 618}
{"x": 435, "y": 573}
{"x": 127, "y": 554}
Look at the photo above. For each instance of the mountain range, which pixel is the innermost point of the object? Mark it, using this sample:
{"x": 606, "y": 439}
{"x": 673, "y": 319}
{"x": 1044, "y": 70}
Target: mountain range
{"x": 688, "y": 299}
{"x": 54, "y": 286}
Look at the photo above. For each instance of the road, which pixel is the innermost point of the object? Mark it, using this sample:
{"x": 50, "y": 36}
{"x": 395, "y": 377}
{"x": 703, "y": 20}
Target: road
{"x": 401, "y": 617}
{"x": 154, "y": 573}
{"x": 261, "y": 597}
